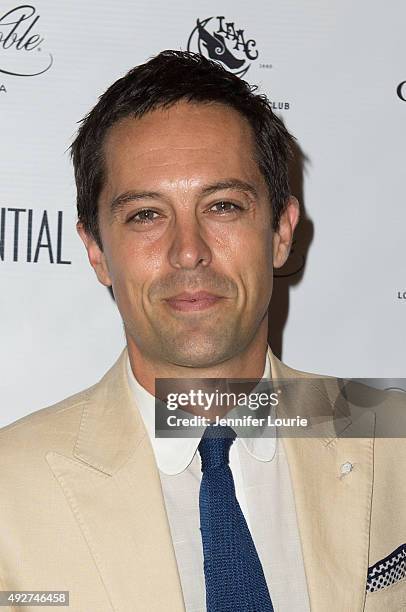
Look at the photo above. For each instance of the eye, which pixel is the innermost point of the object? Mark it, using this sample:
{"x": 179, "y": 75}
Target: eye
{"x": 225, "y": 207}
{"x": 142, "y": 216}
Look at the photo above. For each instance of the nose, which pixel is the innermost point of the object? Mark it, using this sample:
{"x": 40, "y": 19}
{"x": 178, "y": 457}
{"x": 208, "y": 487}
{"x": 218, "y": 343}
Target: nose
{"x": 189, "y": 249}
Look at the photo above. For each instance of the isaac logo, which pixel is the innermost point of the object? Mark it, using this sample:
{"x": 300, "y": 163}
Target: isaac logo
{"x": 21, "y": 44}
{"x": 401, "y": 91}
{"x": 220, "y": 40}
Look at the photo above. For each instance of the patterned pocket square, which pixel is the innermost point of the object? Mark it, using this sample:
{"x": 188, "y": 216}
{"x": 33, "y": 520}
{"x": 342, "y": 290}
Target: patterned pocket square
{"x": 387, "y": 571}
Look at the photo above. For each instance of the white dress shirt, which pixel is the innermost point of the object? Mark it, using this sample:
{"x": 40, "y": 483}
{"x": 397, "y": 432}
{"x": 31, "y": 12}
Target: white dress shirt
{"x": 264, "y": 492}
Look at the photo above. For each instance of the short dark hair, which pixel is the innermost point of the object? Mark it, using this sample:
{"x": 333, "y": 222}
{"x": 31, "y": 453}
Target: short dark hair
{"x": 165, "y": 79}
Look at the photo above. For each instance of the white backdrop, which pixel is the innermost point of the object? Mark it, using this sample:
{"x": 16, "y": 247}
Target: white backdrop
{"x": 332, "y": 69}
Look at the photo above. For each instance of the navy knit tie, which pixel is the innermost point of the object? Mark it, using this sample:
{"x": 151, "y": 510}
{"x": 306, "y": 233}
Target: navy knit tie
{"x": 235, "y": 580}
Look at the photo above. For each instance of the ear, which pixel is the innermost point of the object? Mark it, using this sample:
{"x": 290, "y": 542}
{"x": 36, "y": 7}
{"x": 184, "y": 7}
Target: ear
{"x": 95, "y": 255}
{"x": 282, "y": 239}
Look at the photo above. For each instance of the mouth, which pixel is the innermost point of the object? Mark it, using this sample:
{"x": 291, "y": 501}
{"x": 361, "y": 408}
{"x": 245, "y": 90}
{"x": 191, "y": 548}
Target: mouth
{"x": 187, "y": 302}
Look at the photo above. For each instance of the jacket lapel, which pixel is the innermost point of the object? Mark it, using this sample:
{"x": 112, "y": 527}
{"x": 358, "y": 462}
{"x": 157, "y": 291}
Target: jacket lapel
{"x": 333, "y": 509}
{"x": 113, "y": 487}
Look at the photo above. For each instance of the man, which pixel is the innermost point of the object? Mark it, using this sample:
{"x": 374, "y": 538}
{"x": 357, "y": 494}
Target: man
{"x": 184, "y": 207}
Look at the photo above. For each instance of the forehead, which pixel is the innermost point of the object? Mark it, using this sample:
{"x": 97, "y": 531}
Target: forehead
{"x": 185, "y": 141}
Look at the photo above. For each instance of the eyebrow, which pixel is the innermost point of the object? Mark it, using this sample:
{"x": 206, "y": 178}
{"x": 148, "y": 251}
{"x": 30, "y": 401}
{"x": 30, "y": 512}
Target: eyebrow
{"x": 119, "y": 202}
{"x": 235, "y": 184}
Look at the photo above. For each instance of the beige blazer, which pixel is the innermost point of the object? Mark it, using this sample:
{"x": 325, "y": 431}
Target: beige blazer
{"x": 81, "y": 505}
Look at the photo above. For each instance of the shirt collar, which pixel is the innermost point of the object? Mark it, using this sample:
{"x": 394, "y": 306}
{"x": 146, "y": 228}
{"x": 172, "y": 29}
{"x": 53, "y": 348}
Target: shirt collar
{"x": 173, "y": 455}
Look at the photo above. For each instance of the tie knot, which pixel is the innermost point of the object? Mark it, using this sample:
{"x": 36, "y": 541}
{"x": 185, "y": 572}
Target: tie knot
{"x": 214, "y": 447}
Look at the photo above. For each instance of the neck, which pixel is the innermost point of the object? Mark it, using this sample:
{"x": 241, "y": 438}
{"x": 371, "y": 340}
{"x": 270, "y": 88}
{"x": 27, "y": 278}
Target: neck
{"x": 248, "y": 363}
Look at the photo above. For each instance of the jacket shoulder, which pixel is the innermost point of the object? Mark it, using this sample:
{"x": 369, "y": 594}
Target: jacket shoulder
{"x": 355, "y": 397}
{"x": 53, "y": 428}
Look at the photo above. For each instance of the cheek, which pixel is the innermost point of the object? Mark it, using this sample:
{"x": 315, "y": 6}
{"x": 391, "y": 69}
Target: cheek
{"x": 248, "y": 260}
{"x": 256, "y": 249}
{"x": 132, "y": 269}
{"x": 257, "y": 263}
{"x": 251, "y": 242}
{"x": 129, "y": 257}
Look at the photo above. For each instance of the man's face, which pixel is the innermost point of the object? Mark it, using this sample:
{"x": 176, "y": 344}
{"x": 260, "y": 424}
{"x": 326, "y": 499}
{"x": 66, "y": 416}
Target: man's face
{"x": 185, "y": 209}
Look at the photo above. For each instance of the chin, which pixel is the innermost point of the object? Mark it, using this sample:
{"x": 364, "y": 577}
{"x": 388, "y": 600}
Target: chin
{"x": 198, "y": 354}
